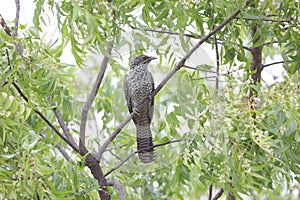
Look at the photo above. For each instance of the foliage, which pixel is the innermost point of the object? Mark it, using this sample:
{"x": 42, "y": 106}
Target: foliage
{"x": 227, "y": 143}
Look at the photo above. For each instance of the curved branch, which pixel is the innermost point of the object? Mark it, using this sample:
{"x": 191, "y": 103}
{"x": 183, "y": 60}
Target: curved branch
{"x": 137, "y": 151}
{"x": 91, "y": 99}
{"x": 119, "y": 187}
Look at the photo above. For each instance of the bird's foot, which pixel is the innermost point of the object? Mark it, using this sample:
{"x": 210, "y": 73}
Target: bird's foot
{"x": 136, "y": 111}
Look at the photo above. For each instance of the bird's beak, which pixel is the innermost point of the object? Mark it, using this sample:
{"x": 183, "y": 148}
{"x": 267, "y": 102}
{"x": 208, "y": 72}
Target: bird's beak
{"x": 152, "y": 58}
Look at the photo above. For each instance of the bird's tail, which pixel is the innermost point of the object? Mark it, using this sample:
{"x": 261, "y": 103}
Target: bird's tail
{"x": 144, "y": 141}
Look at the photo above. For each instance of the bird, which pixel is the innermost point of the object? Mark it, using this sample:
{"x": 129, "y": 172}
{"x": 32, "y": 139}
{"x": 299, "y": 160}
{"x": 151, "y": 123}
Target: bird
{"x": 138, "y": 85}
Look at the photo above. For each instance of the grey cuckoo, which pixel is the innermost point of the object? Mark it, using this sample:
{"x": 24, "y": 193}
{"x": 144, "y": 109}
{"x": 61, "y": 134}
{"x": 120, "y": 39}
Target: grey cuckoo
{"x": 138, "y": 85}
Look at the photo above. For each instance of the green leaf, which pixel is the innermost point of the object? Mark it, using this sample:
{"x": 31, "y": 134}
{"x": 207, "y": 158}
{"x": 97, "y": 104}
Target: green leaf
{"x": 292, "y": 126}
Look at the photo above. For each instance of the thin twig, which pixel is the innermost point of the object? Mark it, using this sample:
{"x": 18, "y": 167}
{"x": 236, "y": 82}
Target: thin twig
{"x": 244, "y": 47}
{"x": 64, "y": 127}
{"x": 166, "y": 31}
{"x": 218, "y": 64}
{"x": 17, "y": 17}
{"x": 116, "y": 147}
{"x": 60, "y": 149}
{"x": 16, "y": 43}
{"x": 198, "y": 69}
{"x": 267, "y": 43}
{"x": 91, "y": 98}
{"x": 223, "y": 74}
{"x": 119, "y": 187}
{"x": 63, "y": 152}
{"x": 137, "y": 151}
{"x": 219, "y": 194}
{"x": 206, "y": 77}
{"x": 269, "y": 20}
{"x": 210, "y": 192}
{"x": 37, "y": 111}
{"x": 112, "y": 153}
{"x": 164, "y": 81}
{"x": 44, "y": 118}
{"x": 4, "y": 26}
{"x": 275, "y": 63}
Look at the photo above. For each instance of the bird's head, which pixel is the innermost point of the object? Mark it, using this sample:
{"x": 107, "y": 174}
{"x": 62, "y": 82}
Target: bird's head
{"x": 141, "y": 60}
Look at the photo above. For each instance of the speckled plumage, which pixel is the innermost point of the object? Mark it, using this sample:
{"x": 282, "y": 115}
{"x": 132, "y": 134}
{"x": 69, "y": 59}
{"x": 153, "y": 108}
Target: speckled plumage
{"x": 138, "y": 85}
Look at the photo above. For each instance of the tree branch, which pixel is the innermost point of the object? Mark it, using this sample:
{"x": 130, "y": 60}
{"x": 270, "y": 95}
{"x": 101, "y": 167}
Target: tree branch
{"x": 164, "y": 81}
{"x": 64, "y": 127}
{"x": 197, "y": 69}
{"x": 45, "y": 119}
{"x": 38, "y": 112}
{"x": 166, "y": 31}
{"x": 275, "y": 63}
{"x": 267, "y": 43}
{"x": 137, "y": 151}
{"x": 218, "y": 64}
{"x": 91, "y": 98}
{"x": 17, "y": 17}
{"x": 219, "y": 194}
{"x": 269, "y": 20}
{"x": 63, "y": 152}
{"x": 119, "y": 187}
{"x": 59, "y": 148}
{"x": 210, "y": 192}
{"x": 16, "y": 43}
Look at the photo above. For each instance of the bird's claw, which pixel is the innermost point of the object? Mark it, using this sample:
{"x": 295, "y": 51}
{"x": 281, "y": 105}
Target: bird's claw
{"x": 136, "y": 111}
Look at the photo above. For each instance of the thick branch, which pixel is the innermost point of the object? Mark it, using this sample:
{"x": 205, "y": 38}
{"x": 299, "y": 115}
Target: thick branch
{"x": 119, "y": 187}
{"x": 164, "y": 81}
{"x": 137, "y": 151}
{"x": 256, "y": 66}
{"x": 96, "y": 170}
{"x": 91, "y": 98}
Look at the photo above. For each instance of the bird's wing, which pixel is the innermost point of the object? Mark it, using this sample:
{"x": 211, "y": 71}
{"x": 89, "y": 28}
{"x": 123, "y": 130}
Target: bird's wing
{"x": 151, "y": 108}
{"x": 127, "y": 95}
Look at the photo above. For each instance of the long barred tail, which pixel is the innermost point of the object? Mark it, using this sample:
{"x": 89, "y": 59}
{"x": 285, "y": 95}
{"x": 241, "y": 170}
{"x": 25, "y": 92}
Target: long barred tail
{"x": 144, "y": 140}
